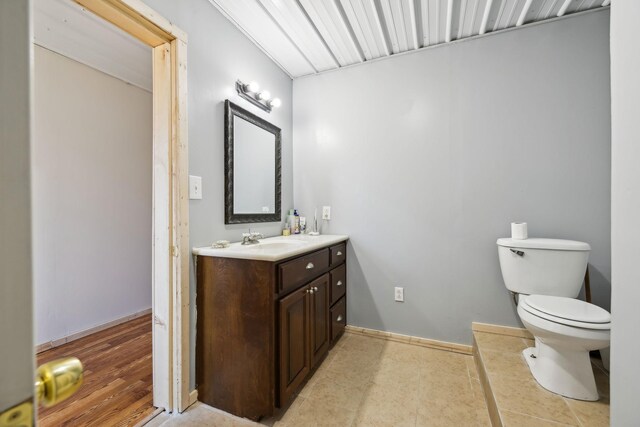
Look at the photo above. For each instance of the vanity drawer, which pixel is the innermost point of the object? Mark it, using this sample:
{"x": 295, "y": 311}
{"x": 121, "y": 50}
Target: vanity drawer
{"x": 338, "y": 283}
{"x": 338, "y": 253}
{"x": 300, "y": 270}
{"x": 338, "y": 319}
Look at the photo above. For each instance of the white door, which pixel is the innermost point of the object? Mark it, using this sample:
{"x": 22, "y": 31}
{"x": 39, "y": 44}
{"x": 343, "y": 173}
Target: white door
{"x": 58, "y": 379}
{"x": 16, "y": 325}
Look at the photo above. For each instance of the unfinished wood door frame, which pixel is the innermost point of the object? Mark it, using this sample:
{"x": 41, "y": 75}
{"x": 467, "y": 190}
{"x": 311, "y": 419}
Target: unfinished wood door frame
{"x": 170, "y": 194}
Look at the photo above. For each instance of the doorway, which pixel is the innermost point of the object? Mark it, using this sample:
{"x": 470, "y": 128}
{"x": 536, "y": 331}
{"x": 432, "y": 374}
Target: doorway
{"x": 170, "y": 203}
{"x": 91, "y": 175}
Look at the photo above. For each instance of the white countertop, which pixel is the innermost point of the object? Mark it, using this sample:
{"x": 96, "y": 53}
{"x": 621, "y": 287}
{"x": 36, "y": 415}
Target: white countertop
{"x": 273, "y": 248}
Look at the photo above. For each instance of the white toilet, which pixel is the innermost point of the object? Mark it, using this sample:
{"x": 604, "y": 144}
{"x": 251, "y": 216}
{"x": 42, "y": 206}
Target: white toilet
{"x": 547, "y": 275}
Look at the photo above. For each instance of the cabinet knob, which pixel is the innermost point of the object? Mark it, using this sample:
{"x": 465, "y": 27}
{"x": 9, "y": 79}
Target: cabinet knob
{"x": 339, "y": 283}
{"x": 311, "y": 291}
{"x": 339, "y": 253}
{"x": 310, "y": 266}
{"x": 339, "y": 318}
{"x": 315, "y": 288}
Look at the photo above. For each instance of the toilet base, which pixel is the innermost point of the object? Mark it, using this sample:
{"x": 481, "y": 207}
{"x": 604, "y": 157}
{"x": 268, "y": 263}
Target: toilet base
{"x": 562, "y": 371}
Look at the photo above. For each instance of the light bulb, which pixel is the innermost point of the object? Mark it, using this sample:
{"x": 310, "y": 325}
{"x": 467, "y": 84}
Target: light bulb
{"x": 252, "y": 87}
{"x": 275, "y": 102}
{"x": 264, "y": 96}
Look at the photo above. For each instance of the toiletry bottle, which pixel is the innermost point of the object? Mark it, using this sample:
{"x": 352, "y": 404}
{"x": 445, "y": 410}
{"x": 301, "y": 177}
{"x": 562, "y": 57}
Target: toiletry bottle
{"x": 291, "y": 221}
{"x": 303, "y": 225}
{"x": 296, "y": 222}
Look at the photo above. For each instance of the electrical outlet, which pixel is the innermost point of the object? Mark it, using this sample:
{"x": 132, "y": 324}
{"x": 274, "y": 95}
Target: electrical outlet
{"x": 195, "y": 187}
{"x": 326, "y": 212}
{"x": 399, "y": 294}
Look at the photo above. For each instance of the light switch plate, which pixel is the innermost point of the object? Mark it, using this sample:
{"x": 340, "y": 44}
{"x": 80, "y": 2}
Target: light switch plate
{"x": 195, "y": 187}
{"x": 326, "y": 212}
{"x": 399, "y": 294}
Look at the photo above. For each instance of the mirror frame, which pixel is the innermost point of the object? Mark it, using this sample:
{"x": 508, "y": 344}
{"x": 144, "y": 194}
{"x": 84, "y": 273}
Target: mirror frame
{"x": 231, "y": 110}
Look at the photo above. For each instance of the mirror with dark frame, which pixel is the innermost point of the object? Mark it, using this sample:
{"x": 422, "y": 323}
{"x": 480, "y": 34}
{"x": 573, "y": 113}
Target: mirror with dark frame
{"x": 252, "y": 167}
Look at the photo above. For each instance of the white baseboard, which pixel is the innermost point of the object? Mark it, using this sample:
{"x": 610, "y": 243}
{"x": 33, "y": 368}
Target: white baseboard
{"x": 60, "y": 341}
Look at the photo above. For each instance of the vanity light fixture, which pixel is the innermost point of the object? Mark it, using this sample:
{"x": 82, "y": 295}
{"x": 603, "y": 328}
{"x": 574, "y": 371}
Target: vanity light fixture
{"x": 275, "y": 102}
{"x": 251, "y": 87}
{"x": 262, "y": 99}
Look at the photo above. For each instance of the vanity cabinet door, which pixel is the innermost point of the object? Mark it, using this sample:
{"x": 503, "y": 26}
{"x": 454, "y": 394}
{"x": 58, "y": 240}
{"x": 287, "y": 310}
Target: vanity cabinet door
{"x": 338, "y": 319}
{"x": 295, "y": 359}
{"x": 338, "y": 283}
{"x": 338, "y": 254}
{"x": 320, "y": 322}
{"x": 300, "y": 270}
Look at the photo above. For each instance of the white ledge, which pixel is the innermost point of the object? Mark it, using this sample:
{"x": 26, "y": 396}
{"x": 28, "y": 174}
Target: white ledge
{"x": 273, "y": 248}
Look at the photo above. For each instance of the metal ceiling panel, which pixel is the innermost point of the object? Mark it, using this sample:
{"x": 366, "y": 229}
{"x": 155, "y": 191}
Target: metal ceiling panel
{"x": 444, "y": 24}
{"x": 253, "y": 20}
{"x": 551, "y": 9}
{"x": 479, "y": 9}
{"x": 470, "y": 21}
{"x": 367, "y": 27}
{"x": 437, "y": 17}
{"x": 458, "y": 9}
{"x": 515, "y": 12}
{"x": 309, "y": 36}
{"x": 534, "y": 10}
{"x": 400, "y": 22}
{"x": 290, "y": 17}
{"x": 574, "y": 6}
{"x": 330, "y": 22}
{"x": 424, "y": 22}
{"x": 430, "y": 13}
{"x": 506, "y": 14}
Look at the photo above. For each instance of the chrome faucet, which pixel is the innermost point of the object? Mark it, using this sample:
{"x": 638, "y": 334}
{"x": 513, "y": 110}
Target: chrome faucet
{"x": 251, "y": 238}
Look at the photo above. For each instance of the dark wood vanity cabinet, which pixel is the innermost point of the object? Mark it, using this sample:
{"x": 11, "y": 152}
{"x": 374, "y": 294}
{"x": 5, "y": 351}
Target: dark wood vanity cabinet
{"x": 319, "y": 327}
{"x": 264, "y": 327}
{"x": 295, "y": 348}
{"x": 305, "y": 333}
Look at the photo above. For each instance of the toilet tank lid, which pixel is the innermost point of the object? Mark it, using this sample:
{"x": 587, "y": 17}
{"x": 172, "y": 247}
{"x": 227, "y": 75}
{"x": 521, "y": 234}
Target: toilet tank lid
{"x": 553, "y": 244}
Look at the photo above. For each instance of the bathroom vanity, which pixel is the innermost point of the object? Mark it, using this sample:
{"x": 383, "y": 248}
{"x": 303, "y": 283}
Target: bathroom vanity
{"x": 267, "y": 315}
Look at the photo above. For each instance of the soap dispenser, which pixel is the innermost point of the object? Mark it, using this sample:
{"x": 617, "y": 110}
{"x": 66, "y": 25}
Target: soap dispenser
{"x": 291, "y": 221}
{"x": 296, "y": 222}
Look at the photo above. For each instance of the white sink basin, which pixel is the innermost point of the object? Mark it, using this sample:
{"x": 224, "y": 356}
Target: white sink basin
{"x": 281, "y": 243}
{"x": 274, "y": 245}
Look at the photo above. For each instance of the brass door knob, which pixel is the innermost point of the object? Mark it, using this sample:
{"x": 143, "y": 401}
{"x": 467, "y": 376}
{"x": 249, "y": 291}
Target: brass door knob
{"x": 57, "y": 380}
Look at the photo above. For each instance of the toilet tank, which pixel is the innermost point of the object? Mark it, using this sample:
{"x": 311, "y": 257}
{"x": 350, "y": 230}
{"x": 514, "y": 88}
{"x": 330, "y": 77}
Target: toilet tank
{"x": 543, "y": 266}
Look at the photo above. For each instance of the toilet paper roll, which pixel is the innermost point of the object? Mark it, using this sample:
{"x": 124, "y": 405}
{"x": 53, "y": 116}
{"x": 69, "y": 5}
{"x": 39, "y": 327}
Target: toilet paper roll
{"x": 519, "y": 230}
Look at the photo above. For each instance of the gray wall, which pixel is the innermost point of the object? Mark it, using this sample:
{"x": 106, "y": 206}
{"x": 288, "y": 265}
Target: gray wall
{"x": 91, "y": 202}
{"x": 426, "y": 159}
{"x": 625, "y": 211}
{"x": 218, "y": 55}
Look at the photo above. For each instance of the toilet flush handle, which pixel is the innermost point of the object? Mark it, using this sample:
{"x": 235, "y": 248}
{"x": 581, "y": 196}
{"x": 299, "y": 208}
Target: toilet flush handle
{"x": 517, "y": 252}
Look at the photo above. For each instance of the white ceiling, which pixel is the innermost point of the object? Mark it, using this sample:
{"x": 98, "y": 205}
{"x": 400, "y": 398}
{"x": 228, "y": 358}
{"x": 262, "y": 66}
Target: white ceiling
{"x": 68, "y": 29}
{"x": 311, "y": 36}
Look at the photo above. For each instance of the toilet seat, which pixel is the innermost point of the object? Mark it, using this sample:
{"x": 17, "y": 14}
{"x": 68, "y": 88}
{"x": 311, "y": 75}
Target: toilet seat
{"x": 566, "y": 311}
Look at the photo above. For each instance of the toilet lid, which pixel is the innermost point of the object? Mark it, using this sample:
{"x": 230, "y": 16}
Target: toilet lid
{"x": 568, "y": 308}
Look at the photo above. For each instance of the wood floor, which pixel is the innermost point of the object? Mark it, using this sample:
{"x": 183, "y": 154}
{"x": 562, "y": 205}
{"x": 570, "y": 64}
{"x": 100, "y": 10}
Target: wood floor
{"x": 117, "y": 388}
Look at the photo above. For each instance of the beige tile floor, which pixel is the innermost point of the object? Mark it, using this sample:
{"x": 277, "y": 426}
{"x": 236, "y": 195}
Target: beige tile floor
{"x": 521, "y": 401}
{"x": 371, "y": 382}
